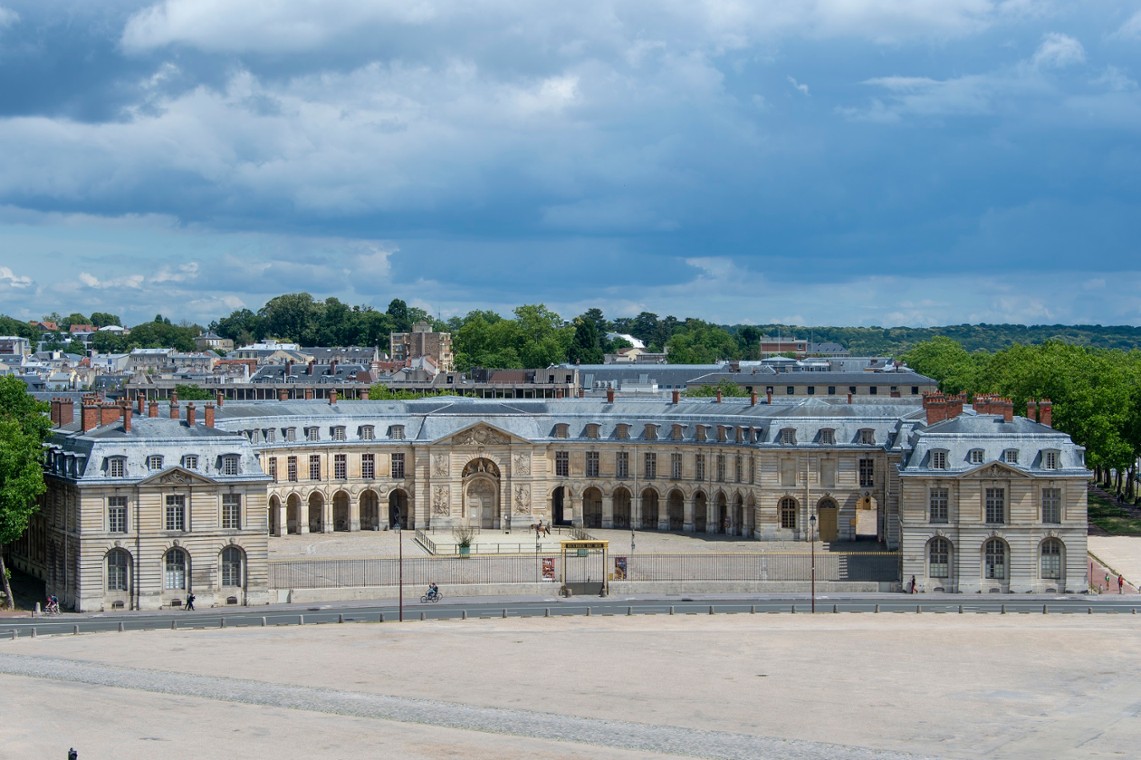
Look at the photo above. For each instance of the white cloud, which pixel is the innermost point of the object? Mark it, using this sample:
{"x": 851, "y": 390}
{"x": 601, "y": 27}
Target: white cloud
{"x": 1058, "y": 51}
{"x": 10, "y": 279}
{"x": 133, "y": 281}
{"x": 1114, "y": 80}
{"x": 181, "y": 273}
{"x": 802, "y": 88}
{"x": 8, "y": 17}
{"x": 1131, "y": 29}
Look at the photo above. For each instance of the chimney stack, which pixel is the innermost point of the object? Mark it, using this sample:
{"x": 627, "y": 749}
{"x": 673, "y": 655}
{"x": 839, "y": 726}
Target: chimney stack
{"x": 676, "y": 396}
{"x": 90, "y": 415}
{"x": 127, "y": 417}
{"x": 152, "y": 409}
{"x": 333, "y": 397}
{"x": 768, "y": 397}
{"x": 141, "y": 401}
{"x": 718, "y": 395}
{"x": 282, "y": 394}
{"x": 174, "y": 409}
{"x": 1032, "y": 410}
{"x": 1046, "y": 412}
{"x": 849, "y": 398}
{"x": 610, "y": 395}
{"x": 109, "y": 413}
{"x": 190, "y": 417}
{"x": 753, "y": 398}
{"x": 364, "y": 394}
{"x": 219, "y": 398}
{"x": 308, "y": 394}
{"x": 209, "y": 415}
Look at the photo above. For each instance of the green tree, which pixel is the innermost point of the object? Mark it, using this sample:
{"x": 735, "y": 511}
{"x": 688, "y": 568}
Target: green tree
{"x": 241, "y": 326}
{"x": 586, "y": 346}
{"x": 727, "y": 388}
{"x": 398, "y": 312}
{"x": 698, "y": 342}
{"x": 945, "y": 360}
{"x": 192, "y": 392}
{"x": 294, "y": 317}
{"x": 23, "y": 429}
{"x": 103, "y": 319}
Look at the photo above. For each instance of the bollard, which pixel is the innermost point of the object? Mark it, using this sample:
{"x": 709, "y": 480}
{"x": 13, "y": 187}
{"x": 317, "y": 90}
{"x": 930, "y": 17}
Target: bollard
{"x": 711, "y": 609}
{"x": 629, "y": 610}
{"x": 918, "y": 609}
{"x": 173, "y": 625}
{"x": 14, "y": 634}
{"x": 340, "y": 617}
{"x": 588, "y": 611}
{"x": 121, "y": 627}
{"x": 505, "y": 613}
{"x": 424, "y": 615}
{"x": 221, "y": 622}
{"x": 463, "y": 615}
{"x": 546, "y": 612}
{"x": 752, "y": 609}
{"x": 75, "y": 630}
{"x": 671, "y": 609}
{"x": 877, "y": 608}
{"x": 834, "y": 609}
{"x": 1002, "y": 609}
{"x": 34, "y": 632}
{"x": 263, "y": 621}
{"x": 794, "y": 609}
{"x": 381, "y": 618}
{"x": 300, "y": 620}
{"x": 960, "y": 609}
{"x": 1043, "y": 609}
{"x": 1089, "y": 610}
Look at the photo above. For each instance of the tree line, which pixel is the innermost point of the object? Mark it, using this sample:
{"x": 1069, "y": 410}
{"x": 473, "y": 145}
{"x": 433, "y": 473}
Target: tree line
{"x": 1096, "y": 393}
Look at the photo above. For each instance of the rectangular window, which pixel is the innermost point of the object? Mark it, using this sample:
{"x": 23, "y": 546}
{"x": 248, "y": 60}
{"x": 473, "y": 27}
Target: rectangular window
{"x": 789, "y": 390}
{"x": 622, "y": 465}
{"x": 314, "y": 466}
{"x": 230, "y": 464}
{"x": 367, "y": 433}
{"x": 739, "y": 469}
{"x": 338, "y": 433}
{"x": 811, "y": 390}
{"x": 231, "y": 511}
{"x": 562, "y": 464}
{"x": 398, "y": 466}
{"x": 340, "y": 466}
{"x": 1051, "y": 559}
{"x": 117, "y": 570}
{"x": 117, "y": 514}
{"x": 975, "y": 456}
{"x": 313, "y": 433}
{"x": 788, "y": 437}
{"x": 938, "y": 505}
{"x": 651, "y": 461}
{"x": 940, "y": 566}
{"x": 867, "y": 473}
{"x": 116, "y": 467}
{"x": 273, "y": 468}
{"x": 271, "y": 435}
{"x": 827, "y": 437}
{"x": 675, "y": 466}
{"x": 592, "y": 464}
{"x": 291, "y": 469}
{"x": 154, "y": 462}
{"x": 720, "y": 468}
{"x": 699, "y": 467}
{"x": 873, "y": 391}
{"x": 291, "y": 434}
{"x": 190, "y": 461}
{"x": 995, "y": 505}
{"x": 368, "y": 466}
{"x": 1010, "y": 456}
{"x": 831, "y": 390}
{"x": 1052, "y": 505}
{"x": 175, "y": 513}
{"x": 396, "y": 432}
{"x": 1050, "y": 460}
{"x": 939, "y": 460}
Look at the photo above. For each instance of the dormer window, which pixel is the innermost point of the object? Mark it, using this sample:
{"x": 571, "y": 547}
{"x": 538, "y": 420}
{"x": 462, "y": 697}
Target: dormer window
{"x": 366, "y": 432}
{"x": 290, "y": 433}
{"x": 190, "y": 461}
{"x": 337, "y": 432}
{"x": 1051, "y": 460}
{"x": 1010, "y": 456}
{"x": 701, "y": 433}
{"x": 591, "y": 430}
{"x": 154, "y": 462}
{"x": 396, "y": 432}
{"x": 975, "y": 456}
{"x": 677, "y": 432}
{"x": 622, "y": 431}
{"x": 866, "y": 437}
{"x": 787, "y": 436}
{"x": 270, "y": 435}
{"x": 313, "y": 433}
{"x": 939, "y": 459}
{"x": 723, "y": 433}
{"x": 116, "y": 467}
{"x": 827, "y": 437}
{"x": 650, "y": 432}
{"x": 562, "y": 430}
{"x": 231, "y": 464}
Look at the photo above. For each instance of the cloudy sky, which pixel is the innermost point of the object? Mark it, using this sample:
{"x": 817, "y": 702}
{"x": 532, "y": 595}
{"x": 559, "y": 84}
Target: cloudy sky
{"x": 854, "y": 162}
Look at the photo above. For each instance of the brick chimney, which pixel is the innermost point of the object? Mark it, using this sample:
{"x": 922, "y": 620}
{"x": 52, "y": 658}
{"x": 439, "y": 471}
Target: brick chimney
{"x": 308, "y": 394}
{"x": 935, "y": 405}
{"x": 718, "y": 396}
{"x": 141, "y": 403}
{"x": 282, "y": 394}
{"x": 152, "y": 409}
{"x": 127, "y": 418}
{"x": 753, "y": 398}
{"x": 208, "y": 414}
{"x": 955, "y": 405}
{"x": 219, "y": 399}
{"x": 1046, "y": 412}
{"x": 364, "y": 394}
{"x": 333, "y": 397}
{"x": 768, "y": 397}
{"x": 90, "y": 415}
{"x": 610, "y": 395}
{"x": 1032, "y": 410}
{"x": 174, "y": 409}
{"x": 1005, "y": 407}
{"x": 62, "y": 411}
{"x": 310, "y": 366}
{"x": 190, "y": 416}
{"x": 676, "y": 397}
{"x": 109, "y": 414}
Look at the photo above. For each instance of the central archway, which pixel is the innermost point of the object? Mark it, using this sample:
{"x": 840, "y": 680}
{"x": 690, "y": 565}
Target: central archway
{"x": 481, "y": 507}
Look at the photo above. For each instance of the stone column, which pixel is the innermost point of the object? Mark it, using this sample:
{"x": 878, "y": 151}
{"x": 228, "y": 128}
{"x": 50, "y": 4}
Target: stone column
{"x": 608, "y": 511}
{"x": 636, "y": 510}
{"x": 282, "y": 519}
{"x": 687, "y": 518}
{"x": 354, "y": 513}
{"x": 327, "y": 516}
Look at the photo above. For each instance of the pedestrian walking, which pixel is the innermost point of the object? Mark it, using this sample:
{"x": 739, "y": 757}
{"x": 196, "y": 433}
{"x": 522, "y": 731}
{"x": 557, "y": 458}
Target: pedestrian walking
{"x": 912, "y": 585}
{"x": 190, "y": 602}
{"x": 1107, "y": 581}
{"x": 1120, "y": 584}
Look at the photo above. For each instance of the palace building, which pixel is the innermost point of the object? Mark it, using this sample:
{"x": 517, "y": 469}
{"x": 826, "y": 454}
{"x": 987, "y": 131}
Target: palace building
{"x": 139, "y": 511}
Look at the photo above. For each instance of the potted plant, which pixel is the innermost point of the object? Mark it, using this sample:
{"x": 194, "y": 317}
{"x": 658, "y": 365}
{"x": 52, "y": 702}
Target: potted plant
{"x": 464, "y": 534}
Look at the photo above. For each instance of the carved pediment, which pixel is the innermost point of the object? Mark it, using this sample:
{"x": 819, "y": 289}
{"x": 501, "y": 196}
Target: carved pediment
{"x": 995, "y": 470}
{"x": 176, "y": 476}
{"x": 481, "y": 434}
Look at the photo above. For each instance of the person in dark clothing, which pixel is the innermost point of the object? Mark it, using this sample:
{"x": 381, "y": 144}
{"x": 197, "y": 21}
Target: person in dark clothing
{"x": 190, "y": 602}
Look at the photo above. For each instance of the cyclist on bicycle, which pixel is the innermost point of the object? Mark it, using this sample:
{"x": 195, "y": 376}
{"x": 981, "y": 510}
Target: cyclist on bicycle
{"x": 53, "y": 604}
{"x": 433, "y": 591}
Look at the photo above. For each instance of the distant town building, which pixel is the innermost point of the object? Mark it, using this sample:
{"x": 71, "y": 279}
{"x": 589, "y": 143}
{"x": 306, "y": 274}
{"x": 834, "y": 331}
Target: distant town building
{"x": 406, "y": 346}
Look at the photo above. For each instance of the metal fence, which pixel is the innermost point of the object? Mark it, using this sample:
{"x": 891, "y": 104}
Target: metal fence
{"x": 456, "y": 571}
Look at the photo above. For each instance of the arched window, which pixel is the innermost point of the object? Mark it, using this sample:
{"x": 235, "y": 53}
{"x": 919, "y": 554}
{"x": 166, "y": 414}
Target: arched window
{"x": 1051, "y": 558}
{"x": 939, "y": 558}
{"x": 118, "y": 570}
{"x": 233, "y": 566}
{"x": 995, "y": 559}
{"x": 175, "y": 566}
{"x": 787, "y": 510}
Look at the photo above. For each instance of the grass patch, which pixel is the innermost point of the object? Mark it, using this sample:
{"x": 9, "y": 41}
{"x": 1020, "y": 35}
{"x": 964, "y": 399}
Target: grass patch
{"x": 1113, "y": 518}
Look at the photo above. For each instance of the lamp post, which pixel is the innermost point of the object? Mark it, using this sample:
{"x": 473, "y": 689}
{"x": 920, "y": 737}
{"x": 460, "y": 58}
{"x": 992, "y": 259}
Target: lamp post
{"x": 538, "y": 578}
{"x": 812, "y": 542}
{"x": 400, "y": 580}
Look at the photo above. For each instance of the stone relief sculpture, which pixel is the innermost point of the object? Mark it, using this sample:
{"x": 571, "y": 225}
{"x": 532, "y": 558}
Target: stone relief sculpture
{"x": 481, "y": 435}
{"x": 439, "y": 500}
{"x": 522, "y": 499}
{"x": 522, "y": 464}
{"x": 440, "y": 465}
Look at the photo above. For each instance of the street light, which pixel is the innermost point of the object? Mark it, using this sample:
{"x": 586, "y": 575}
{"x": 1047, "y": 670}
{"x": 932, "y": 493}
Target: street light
{"x": 537, "y": 577}
{"x": 812, "y": 541}
{"x": 400, "y": 579}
